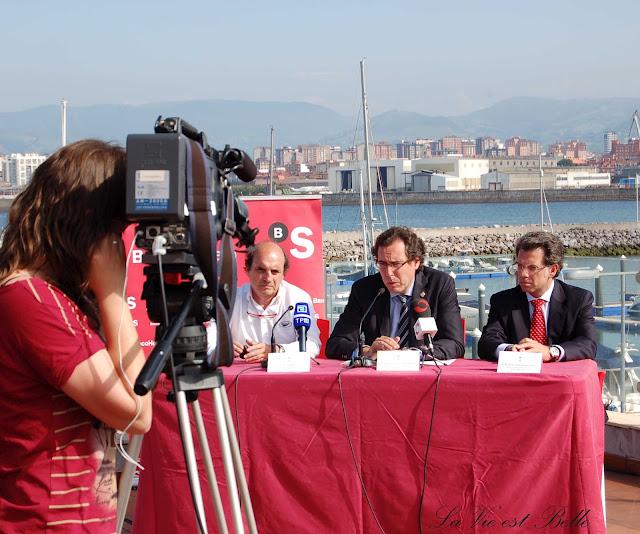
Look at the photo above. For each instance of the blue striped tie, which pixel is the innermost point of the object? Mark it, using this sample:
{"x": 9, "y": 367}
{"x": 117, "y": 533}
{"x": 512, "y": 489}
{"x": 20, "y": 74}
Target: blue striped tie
{"x": 403, "y": 322}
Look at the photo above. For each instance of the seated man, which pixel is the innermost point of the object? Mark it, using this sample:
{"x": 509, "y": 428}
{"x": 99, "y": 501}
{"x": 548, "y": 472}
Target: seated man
{"x": 541, "y": 314}
{"x": 261, "y": 302}
{"x": 399, "y": 254}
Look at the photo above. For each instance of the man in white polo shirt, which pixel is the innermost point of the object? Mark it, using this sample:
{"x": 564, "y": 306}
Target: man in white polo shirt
{"x": 261, "y": 302}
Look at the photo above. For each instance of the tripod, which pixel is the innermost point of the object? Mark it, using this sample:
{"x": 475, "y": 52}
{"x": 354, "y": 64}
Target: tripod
{"x": 189, "y": 378}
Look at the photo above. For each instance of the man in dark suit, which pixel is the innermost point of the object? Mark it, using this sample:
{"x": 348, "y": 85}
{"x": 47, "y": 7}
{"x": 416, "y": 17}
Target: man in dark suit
{"x": 399, "y": 254}
{"x": 541, "y": 314}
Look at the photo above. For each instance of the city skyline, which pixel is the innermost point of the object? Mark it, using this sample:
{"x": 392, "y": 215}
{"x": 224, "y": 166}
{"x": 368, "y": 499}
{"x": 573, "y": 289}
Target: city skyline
{"x": 429, "y": 58}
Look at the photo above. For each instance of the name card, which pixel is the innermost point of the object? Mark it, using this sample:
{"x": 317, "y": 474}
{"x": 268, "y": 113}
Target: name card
{"x": 288, "y": 362}
{"x": 398, "y": 360}
{"x": 519, "y": 362}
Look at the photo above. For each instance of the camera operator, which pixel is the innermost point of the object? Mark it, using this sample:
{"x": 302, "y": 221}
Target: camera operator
{"x": 66, "y": 343}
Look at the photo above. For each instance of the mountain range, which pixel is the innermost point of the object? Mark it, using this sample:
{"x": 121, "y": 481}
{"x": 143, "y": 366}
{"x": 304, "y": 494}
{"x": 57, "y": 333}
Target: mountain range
{"x": 246, "y": 124}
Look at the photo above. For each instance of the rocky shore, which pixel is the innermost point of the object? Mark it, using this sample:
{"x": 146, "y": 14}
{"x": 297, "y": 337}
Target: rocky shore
{"x": 580, "y": 240}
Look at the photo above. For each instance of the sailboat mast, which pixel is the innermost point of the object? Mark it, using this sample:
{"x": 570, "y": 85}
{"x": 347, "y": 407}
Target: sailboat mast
{"x": 541, "y": 194}
{"x": 363, "y": 222}
{"x": 271, "y": 165}
{"x": 365, "y": 113}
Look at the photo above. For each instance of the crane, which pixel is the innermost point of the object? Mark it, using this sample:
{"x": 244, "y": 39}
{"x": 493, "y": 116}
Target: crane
{"x": 634, "y": 122}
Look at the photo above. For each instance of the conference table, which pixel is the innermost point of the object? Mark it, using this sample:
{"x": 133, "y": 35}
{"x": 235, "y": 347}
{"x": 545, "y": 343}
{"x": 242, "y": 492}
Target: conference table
{"x": 501, "y": 452}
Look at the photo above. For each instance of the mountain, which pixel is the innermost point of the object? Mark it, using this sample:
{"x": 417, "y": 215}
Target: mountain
{"x": 247, "y": 124}
{"x": 237, "y": 123}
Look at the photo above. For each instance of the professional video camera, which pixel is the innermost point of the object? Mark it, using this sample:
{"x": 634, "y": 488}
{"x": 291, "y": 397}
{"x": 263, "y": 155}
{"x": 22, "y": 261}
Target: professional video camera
{"x": 178, "y": 193}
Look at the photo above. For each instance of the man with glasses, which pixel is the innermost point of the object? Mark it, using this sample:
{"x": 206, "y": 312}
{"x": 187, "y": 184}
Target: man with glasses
{"x": 399, "y": 255}
{"x": 541, "y": 314}
{"x": 261, "y": 302}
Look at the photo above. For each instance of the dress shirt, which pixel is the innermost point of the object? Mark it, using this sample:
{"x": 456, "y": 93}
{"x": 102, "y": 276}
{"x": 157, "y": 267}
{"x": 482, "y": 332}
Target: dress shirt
{"x": 546, "y": 296}
{"x": 395, "y": 308}
{"x": 251, "y": 321}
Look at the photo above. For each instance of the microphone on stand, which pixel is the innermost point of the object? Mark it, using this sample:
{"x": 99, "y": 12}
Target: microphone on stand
{"x": 425, "y": 327}
{"x": 302, "y": 323}
{"x": 273, "y": 332}
{"x": 361, "y": 361}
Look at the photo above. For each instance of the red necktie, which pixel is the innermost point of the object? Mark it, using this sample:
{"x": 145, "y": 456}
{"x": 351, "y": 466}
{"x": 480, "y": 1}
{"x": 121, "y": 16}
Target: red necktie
{"x": 538, "y": 328}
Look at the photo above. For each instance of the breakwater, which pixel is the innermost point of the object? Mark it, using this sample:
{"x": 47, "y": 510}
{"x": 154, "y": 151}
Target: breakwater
{"x": 580, "y": 240}
{"x": 484, "y": 196}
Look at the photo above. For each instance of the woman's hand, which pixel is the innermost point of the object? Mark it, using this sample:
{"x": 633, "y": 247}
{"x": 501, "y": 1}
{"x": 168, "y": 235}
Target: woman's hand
{"x": 107, "y": 267}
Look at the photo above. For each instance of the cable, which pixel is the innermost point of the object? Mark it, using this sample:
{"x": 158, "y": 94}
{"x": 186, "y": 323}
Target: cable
{"x": 353, "y": 452}
{"x": 236, "y": 399}
{"x": 120, "y": 434}
{"x": 426, "y": 453}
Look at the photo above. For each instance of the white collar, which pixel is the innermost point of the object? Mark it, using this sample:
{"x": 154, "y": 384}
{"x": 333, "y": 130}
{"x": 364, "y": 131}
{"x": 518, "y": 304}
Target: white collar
{"x": 546, "y": 296}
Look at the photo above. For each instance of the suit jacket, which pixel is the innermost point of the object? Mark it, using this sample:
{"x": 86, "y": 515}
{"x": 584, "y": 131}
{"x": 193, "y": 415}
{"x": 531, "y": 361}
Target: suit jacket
{"x": 570, "y": 322}
{"x": 436, "y": 287}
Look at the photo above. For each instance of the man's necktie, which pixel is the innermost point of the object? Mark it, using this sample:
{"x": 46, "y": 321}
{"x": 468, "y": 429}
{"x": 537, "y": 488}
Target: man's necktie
{"x": 403, "y": 322}
{"x": 538, "y": 328}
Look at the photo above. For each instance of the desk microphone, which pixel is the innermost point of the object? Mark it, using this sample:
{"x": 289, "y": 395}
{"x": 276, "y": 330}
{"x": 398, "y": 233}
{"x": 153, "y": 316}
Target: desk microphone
{"x": 425, "y": 326}
{"x": 273, "y": 330}
{"x": 302, "y": 323}
{"x": 361, "y": 359}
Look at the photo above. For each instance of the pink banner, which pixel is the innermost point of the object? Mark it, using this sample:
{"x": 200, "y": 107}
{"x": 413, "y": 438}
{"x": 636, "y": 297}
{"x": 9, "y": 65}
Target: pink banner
{"x": 294, "y": 222}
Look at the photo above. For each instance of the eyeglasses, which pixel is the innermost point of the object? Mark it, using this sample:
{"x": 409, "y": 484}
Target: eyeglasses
{"x": 529, "y": 269}
{"x": 393, "y": 265}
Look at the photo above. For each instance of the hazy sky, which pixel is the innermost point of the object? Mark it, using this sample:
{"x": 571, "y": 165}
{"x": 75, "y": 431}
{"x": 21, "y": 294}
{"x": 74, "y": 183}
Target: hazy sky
{"x": 440, "y": 58}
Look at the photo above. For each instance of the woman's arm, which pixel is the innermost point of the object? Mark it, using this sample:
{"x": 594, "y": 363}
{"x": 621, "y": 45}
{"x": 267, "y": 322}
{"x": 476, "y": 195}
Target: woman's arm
{"x": 98, "y": 383}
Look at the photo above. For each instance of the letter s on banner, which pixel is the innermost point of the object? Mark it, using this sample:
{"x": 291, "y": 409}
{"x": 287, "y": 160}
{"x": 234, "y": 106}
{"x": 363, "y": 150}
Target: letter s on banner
{"x": 305, "y": 244}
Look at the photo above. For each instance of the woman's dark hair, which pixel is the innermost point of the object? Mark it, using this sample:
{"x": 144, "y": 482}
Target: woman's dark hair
{"x": 74, "y": 199}
{"x": 414, "y": 246}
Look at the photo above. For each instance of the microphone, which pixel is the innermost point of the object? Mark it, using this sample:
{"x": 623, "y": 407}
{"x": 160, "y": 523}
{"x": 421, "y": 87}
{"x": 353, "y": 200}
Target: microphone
{"x": 361, "y": 339}
{"x": 425, "y": 326}
{"x": 240, "y": 163}
{"x": 302, "y": 323}
{"x": 273, "y": 330}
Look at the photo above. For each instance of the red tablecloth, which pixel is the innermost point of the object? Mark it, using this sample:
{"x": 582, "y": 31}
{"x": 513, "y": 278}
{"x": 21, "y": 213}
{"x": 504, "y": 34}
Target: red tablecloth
{"x": 508, "y": 453}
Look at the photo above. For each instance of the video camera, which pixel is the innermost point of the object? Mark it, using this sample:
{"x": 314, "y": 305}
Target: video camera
{"x": 178, "y": 192}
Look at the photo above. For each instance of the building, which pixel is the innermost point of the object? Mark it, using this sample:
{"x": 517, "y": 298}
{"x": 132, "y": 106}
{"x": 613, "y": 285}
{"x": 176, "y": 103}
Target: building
{"x": 574, "y": 150}
{"x": 468, "y": 148}
{"x": 313, "y": 154}
{"x": 580, "y": 178}
{"x": 424, "y": 181}
{"x": 378, "y": 151}
{"x": 521, "y": 148}
{"x": 469, "y": 170}
{"x": 485, "y": 144}
{"x": 553, "y": 177}
{"x": 626, "y": 152}
{"x": 609, "y": 137}
{"x": 18, "y": 168}
{"x": 420, "y": 148}
{"x": 390, "y": 174}
{"x": 522, "y": 164}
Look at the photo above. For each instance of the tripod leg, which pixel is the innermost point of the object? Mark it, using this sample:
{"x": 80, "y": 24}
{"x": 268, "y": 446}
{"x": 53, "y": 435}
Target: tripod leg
{"x": 227, "y": 460}
{"x": 237, "y": 463}
{"x": 208, "y": 462}
{"x": 126, "y": 480}
{"x": 190, "y": 459}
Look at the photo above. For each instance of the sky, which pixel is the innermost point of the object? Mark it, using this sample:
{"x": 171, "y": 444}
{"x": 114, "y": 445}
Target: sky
{"x": 436, "y": 58}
